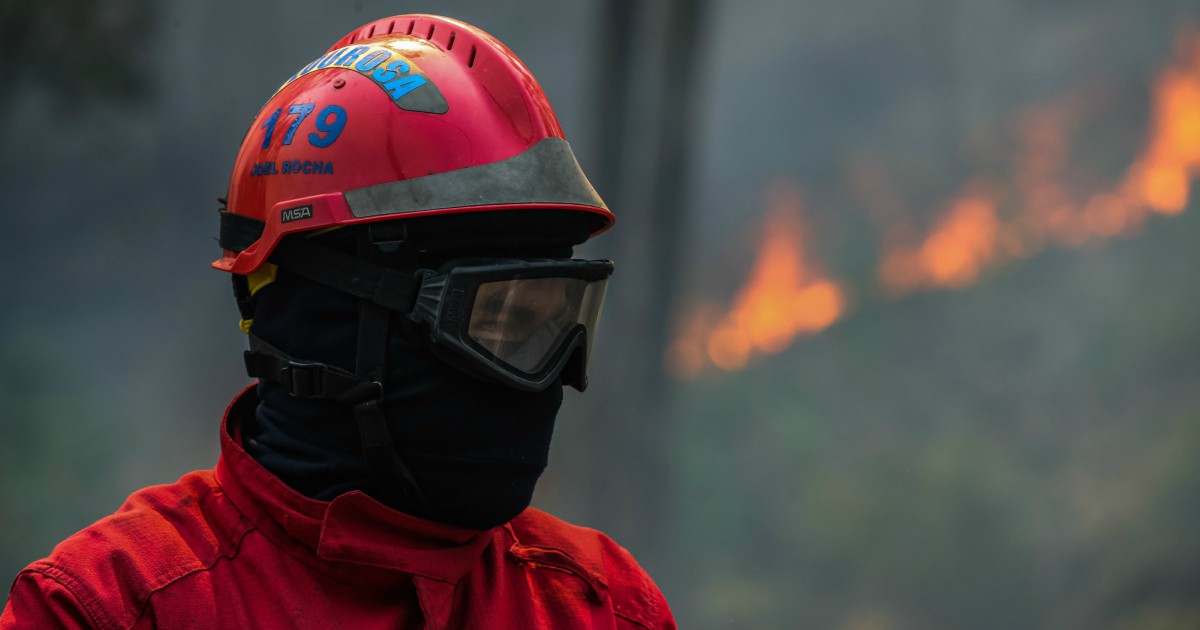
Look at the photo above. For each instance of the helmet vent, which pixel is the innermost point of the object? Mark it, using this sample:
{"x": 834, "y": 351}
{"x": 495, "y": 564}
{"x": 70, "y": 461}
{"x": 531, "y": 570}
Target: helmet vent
{"x": 430, "y": 35}
{"x": 371, "y": 33}
{"x": 450, "y": 44}
{"x": 391, "y": 26}
{"x": 411, "y": 25}
{"x": 471, "y": 58}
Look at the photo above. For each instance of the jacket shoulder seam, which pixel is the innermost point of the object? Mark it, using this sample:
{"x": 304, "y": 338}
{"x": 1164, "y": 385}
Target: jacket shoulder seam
{"x": 78, "y": 589}
{"x": 229, "y": 554}
{"x": 638, "y": 622}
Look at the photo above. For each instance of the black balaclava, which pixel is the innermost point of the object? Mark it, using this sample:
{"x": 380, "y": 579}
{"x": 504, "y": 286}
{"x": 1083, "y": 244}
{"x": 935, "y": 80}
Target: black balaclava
{"x": 475, "y": 448}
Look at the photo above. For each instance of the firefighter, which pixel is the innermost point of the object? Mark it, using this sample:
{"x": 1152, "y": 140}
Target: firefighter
{"x": 399, "y": 229}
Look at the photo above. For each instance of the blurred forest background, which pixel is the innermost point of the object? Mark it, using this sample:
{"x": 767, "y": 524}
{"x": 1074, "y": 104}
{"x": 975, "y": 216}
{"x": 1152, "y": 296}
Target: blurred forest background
{"x": 903, "y": 333}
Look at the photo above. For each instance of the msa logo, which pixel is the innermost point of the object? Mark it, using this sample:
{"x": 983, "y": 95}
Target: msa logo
{"x": 296, "y": 214}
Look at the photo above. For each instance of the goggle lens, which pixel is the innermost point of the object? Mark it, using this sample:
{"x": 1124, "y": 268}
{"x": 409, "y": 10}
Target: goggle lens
{"x": 524, "y": 322}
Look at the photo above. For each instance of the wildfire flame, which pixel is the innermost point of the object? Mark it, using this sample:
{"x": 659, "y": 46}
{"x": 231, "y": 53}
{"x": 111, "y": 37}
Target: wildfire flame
{"x": 987, "y": 224}
{"x": 962, "y": 243}
{"x": 1160, "y": 177}
{"x": 783, "y": 298}
{"x": 1043, "y": 209}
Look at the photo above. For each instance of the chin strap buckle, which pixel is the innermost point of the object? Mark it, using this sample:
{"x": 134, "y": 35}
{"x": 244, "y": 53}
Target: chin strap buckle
{"x": 303, "y": 379}
{"x": 306, "y": 379}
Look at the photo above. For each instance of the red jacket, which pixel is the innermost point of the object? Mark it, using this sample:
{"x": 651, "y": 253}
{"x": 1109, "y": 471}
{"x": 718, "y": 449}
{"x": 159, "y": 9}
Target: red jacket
{"x": 236, "y": 548}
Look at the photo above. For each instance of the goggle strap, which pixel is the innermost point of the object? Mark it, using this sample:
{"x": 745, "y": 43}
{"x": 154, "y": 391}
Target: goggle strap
{"x": 389, "y": 288}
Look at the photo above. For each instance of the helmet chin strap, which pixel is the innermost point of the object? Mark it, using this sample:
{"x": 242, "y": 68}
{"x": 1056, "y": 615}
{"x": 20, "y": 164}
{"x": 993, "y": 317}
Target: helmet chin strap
{"x": 362, "y": 389}
{"x": 387, "y": 467}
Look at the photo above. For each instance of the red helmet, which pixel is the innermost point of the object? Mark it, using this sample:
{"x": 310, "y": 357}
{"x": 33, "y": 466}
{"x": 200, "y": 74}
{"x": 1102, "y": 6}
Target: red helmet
{"x": 409, "y": 116}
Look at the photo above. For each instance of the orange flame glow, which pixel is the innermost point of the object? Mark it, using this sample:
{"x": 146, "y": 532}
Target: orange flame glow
{"x": 784, "y": 297}
{"x": 963, "y": 241}
{"x": 974, "y": 234}
{"x": 1160, "y": 177}
{"x": 989, "y": 223}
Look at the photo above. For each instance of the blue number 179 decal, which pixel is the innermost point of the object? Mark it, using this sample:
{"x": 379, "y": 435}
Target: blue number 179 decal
{"x": 329, "y": 130}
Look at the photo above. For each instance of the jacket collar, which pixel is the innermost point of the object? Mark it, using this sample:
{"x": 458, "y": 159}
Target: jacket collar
{"x": 353, "y": 530}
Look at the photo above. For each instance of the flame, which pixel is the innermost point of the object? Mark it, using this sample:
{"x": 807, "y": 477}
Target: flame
{"x": 1043, "y": 208}
{"x": 783, "y": 298}
{"x": 988, "y": 223}
{"x": 962, "y": 243}
{"x": 1160, "y": 178}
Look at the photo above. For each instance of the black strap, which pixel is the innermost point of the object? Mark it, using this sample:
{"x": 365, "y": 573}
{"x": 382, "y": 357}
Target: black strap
{"x": 392, "y": 289}
{"x": 241, "y": 293}
{"x": 238, "y": 232}
{"x": 380, "y": 289}
{"x": 307, "y": 379}
{"x": 392, "y": 476}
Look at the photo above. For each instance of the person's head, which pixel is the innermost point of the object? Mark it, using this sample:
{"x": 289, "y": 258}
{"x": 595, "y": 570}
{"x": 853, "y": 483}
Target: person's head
{"x": 399, "y": 227}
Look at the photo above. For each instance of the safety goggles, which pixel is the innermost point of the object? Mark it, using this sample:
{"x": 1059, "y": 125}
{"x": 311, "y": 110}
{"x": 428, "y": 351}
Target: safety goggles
{"x": 521, "y": 322}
